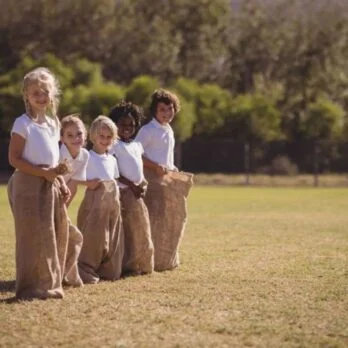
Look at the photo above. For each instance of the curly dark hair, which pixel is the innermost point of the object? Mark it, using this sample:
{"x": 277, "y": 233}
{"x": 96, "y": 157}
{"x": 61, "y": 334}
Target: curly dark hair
{"x": 166, "y": 97}
{"x": 125, "y": 108}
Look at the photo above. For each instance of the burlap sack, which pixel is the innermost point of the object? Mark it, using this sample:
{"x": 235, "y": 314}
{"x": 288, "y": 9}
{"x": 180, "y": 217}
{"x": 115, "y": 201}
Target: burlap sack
{"x": 99, "y": 220}
{"x": 166, "y": 203}
{"x": 138, "y": 247}
{"x": 41, "y": 236}
{"x": 71, "y": 275}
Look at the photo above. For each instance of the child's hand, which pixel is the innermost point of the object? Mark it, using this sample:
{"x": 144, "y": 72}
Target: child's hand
{"x": 63, "y": 188}
{"x": 63, "y": 167}
{"x": 50, "y": 174}
{"x": 93, "y": 184}
{"x": 139, "y": 191}
{"x": 161, "y": 170}
{"x": 65, "y": 192}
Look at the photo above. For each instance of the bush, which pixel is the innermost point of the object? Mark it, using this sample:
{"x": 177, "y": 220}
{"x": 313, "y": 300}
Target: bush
{"x": 282, "y": 165}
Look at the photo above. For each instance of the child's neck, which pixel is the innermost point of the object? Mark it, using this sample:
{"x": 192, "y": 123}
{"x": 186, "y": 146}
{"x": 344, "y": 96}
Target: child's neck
{"x": 128, "y": 140}
{"x": 99, "y": 152}
{"x": 38, "y": 116}
{"x": 162, "y": 123}
{"x": 73, "y": 153}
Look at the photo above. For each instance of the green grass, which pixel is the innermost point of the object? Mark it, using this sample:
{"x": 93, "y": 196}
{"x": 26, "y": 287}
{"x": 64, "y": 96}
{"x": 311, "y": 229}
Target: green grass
{"x": 261, "y": 267}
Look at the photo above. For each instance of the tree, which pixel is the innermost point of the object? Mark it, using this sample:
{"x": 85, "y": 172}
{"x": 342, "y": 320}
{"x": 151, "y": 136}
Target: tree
{"x": 324, "y": 120}
{"x": 253, "y": 119}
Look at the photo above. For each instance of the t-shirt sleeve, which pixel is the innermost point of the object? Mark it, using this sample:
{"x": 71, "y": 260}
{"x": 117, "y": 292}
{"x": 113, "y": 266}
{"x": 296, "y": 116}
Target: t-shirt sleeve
{"x": 20, "y": 127}
{"x": 143, "y": 137}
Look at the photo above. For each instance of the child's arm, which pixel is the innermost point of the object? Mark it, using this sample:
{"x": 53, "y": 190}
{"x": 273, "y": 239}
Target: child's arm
{"x": 72, "y": 185}
{"x": 138, "y": 190}
{"x": 64, "y": 189}
{"x": 15, "y": 153}
{"x": 159, "y": 169}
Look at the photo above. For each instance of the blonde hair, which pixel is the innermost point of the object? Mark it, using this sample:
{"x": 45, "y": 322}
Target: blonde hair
{"x": 102, "y": 122}
{"x": 43, "y": 76}
{"x": 73, "y": 119}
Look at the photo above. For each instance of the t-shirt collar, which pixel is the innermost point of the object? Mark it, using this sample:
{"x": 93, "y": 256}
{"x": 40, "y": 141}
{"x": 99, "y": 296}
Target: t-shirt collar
{"x": 159, "y": 125}
{"x": 66, "y": 154}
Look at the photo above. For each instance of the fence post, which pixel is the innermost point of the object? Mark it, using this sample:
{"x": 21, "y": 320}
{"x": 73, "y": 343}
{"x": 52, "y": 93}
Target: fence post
{"x": 178, "y": 155}
{"x": 316, "y": 164}
{"x": 247, "y": 162}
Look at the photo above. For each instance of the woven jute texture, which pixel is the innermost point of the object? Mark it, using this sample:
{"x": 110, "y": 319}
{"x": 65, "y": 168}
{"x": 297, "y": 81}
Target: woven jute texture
{"x": 165, "y": 199}
{"x": 99, "y": 220}
{"x": 41, "y": 226}
{"x": 138, "y": 246}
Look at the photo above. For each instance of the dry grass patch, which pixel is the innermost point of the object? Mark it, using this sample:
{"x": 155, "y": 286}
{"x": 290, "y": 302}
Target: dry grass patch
{"x": 260, "y": 268}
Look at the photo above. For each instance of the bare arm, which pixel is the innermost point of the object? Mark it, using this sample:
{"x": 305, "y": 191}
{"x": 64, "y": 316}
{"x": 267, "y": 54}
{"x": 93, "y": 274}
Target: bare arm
{"x": 15, "y": 153}
{"x": 138, "y": 190}
{"x": 159, "y": 169}
{"x": 72, "y": 185}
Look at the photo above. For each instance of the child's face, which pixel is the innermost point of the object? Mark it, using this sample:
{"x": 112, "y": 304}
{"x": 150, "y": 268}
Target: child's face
{"x": 73, "y": 137}
{"x": 126, "y": 128}
{"x": 164, "y": 113}
{"x": 38, "y": 97}
{"x": 103, "y": 140}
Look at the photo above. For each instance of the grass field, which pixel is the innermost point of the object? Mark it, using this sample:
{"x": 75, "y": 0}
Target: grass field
{"x": 261, "y": 267}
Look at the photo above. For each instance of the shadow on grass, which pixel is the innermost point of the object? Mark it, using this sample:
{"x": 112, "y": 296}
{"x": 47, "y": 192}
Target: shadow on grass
{"x": 8, "y": 286}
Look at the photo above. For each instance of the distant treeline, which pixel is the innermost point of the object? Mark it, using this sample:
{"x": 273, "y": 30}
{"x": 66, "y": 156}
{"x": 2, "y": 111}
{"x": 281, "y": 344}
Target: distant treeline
{"x": 253, "y": 71}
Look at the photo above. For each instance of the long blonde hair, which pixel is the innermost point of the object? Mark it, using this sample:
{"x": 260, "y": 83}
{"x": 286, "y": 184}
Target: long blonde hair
{"x": 46, "y": 77}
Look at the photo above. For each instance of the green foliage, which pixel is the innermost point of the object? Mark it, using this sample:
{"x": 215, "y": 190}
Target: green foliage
{"x": 91, "y": 101}
{"x": 187, "y": 88}
{"x": 83, "y": 89}
{"x": 184, "y": 121}
{"x": 324, "y": 120}
{"x": 86, "y": 72}
{"x": 212, "y": 107}
{"x": 253, "y": 118}
{"x": 291, "y": 52}
{"x": 140, "y": 90}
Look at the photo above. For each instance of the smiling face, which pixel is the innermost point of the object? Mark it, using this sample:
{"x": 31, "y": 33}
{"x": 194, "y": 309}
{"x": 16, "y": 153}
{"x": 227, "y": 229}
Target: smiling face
{"x": 164, "y": 113}
{"x": 126, "y": 128}
{"x": 38, "y": 97}
{"x": 74, "y": 137}
{"x": 102, "y": 140}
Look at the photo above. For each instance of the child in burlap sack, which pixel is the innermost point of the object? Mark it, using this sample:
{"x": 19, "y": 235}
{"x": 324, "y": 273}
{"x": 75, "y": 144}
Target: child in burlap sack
{"x": 73, "y": 135}
{"x": 99, "y": 216}
{"x": 167, "y": 188}
{"x": 138, "y": 256}
{"x": 37, "y": 192}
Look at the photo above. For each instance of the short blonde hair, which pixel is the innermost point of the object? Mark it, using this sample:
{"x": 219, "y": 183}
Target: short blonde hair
{"x": 102, "y": 122}
{"x": 45, "y": 77}
{"x": 69, "y": 120}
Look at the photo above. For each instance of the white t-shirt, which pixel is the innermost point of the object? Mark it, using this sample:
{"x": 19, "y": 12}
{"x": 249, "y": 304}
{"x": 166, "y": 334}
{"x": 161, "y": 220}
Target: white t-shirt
{"x": 103, "y": 167}
{"x": 41, "y": 140}
{"x": 129, "y": 160}
{"x": 78, "y": 165}
{"x": 158, "y": 143}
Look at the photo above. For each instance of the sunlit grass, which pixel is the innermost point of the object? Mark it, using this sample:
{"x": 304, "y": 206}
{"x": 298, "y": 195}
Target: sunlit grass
{"x": 264, "y": 267}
